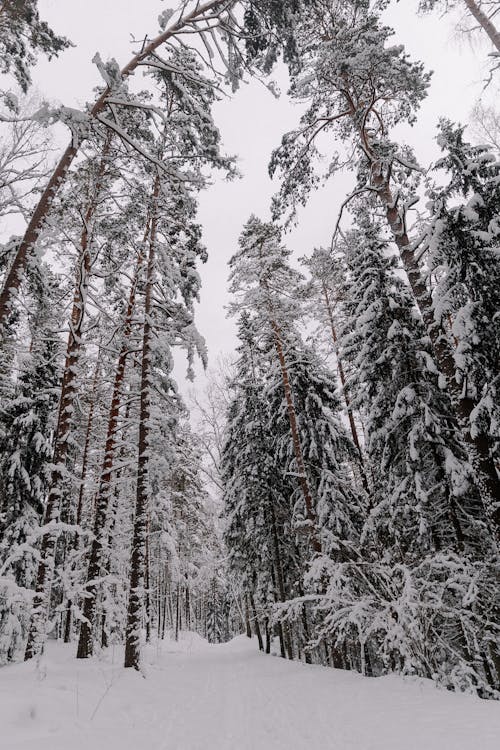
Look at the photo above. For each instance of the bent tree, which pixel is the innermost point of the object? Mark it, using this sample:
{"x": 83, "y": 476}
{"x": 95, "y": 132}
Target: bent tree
{"x": 265, "y": 28}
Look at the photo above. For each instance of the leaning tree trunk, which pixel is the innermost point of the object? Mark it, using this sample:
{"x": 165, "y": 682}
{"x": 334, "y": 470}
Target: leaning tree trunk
{"x": 17, "y": 270}
{"x": 138, "y": 556}
{"x": 343, "y": 381}
{"x": 65, "y": 415}
{"x": 85, "y": 642}
{"x": 478, "y": 445}
{"x": 484, "y": 21}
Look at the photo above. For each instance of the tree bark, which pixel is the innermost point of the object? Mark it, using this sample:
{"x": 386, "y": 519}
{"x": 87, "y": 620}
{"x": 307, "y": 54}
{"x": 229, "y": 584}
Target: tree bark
{"x": 147, "y": 592}
{"x": 137, "y": 561}
{"x": 268, "y": 637}
{"x": 484, "y": 21}
{"x": 16, "y": 273}
{"x": 248, "y": 627}
{"x": 256, "y": 622}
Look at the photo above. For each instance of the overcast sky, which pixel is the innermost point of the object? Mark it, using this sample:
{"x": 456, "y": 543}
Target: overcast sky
{"x": 252, "y": 123}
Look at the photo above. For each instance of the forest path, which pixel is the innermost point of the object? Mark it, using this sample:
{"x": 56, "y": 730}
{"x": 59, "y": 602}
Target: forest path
{"x": 229, "y": 697}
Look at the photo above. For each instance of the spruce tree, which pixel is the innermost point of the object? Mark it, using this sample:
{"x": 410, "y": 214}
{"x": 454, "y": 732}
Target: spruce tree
{"x": 26, "y": 424}
{"x": 461, "y": 241}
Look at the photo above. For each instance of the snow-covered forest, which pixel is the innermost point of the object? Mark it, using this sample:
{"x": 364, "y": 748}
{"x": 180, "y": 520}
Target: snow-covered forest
{"x": 326, "y": 490}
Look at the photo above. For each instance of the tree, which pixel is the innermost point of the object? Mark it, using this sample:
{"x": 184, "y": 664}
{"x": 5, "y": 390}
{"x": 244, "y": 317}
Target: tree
{"x": 175, "y": 238}
{"x": 23, "y": 165}
{"x": 260, "y": 271}
{"x": 485, "y": 125}
{"x": 258, "y": 529}
{"x": 461, "y": 242}
{"x": 54, "y": 510}
{"x": 26, "y": 423}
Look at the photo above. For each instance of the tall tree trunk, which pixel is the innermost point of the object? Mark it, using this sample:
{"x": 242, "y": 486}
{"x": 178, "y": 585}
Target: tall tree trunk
{"x": 86, "y": 447}
{"x": 85, "y": 642}
{"x": 343, "y": 380}
{"x": 280, "y": 580}
{"x": 81, "y": 491}
{"x": 137, "y": 561}
{"x": 16, "y": 272}
{"x": 484, "y": 21}
{"x": 147, "y": 593}
{"x": 248, "y": 627}
{"x": 188, "y": 605}
{"x": 66, "y": 409}
{"x": 268, "y": 637}
{"x": 177, "y": 612}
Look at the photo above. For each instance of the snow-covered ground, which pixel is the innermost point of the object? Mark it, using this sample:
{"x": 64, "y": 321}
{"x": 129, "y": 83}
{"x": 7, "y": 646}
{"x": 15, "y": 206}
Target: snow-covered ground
{"x": 230, "y": 697}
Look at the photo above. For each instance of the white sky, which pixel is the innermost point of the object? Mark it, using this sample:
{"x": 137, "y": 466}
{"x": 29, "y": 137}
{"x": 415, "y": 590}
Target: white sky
{"x": 252, "y": 124}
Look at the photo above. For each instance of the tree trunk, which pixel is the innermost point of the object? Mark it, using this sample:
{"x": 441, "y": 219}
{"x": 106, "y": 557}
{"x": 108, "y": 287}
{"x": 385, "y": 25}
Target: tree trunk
{"x": 86, "y": 447}
{"x": 16, "y": 273}
{"x": 177, "y": 612}
{"x": 147, "y": 591}
{"x": 268, "y": 637}
{"x": 164, "y": 611}
{"x": 256, "y": 622}
{"x": 85, "y": 643}
{"x": 137, "y": 561}
{"x": 297, "y": 448}
{"x": 81, "y": 491}
{"x": 484, "y": 21}
{"x": 248, "y": 627}
{"x": 343, "y": 380}
{"x": 279, "y": 578}
{"x": 188, "y": 605}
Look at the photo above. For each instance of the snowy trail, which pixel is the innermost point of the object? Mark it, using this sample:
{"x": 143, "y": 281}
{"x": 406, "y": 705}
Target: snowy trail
{"x": 229, "y": 697}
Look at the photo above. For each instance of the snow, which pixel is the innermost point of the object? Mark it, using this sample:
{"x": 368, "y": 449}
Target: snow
{"x": 196, "y": 696}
